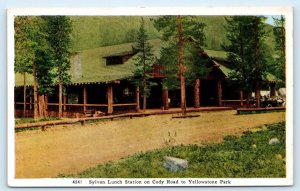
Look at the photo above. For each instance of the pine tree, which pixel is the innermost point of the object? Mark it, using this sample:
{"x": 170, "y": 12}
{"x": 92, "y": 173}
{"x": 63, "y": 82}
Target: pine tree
{"x": 23, "y": 50}
{"x": 256, "y": 54}
{"x": 183, "y": 38}
{"x": 237, "y": 33}
{"x": 143, "y": 62}
{"x": 43, "y": 66}
{"x": 246, "y": 52}
{"x": 279, "y": 34}
{"x": 60, "y": 28}
{"x": 42, "y": 50}
{"x": 33, "y": 55}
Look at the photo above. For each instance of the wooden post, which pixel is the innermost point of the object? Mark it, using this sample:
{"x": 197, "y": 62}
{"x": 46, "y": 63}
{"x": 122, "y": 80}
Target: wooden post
{"x": 65, "y": 102}
{"x": 84, "y": 98}
{"x": 137, "y": 98}
{"x": 165, "y": 99}
{"x": 109, "y": 99}
{"x": 272, "y": 89}
{"x": 197, "y": 93}
{"x": 219, "y": 92}
{"x": 241, "y": 98}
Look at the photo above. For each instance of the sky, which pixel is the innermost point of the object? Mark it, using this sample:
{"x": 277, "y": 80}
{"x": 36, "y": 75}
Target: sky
{"x": 270, "y": 19}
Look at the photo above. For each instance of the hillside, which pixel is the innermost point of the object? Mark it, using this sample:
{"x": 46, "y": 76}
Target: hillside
{"x": 92, "y": 32}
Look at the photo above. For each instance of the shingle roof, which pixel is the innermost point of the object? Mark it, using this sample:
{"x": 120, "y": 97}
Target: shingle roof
{"x": 89, "y": 66}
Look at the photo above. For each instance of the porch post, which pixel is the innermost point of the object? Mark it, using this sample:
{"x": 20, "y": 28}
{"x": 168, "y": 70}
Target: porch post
{"x": 241, "y": 98}
{"x": 197, "y": 93}
{"x": 219, "y": 92}
{"x": 137, "y": 98}
{"x": 165, "y": 99}
{"x": 272, "y": 89}
{"x": 109, "y": 98}
{"x": 84, "y": 98}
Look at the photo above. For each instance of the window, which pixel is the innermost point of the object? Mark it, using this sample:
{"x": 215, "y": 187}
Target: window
{"x": 114, "y": 60}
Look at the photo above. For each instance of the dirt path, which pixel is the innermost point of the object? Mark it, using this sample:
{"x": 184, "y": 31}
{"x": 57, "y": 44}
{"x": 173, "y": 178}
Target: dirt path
{"x": 74, "y": 148}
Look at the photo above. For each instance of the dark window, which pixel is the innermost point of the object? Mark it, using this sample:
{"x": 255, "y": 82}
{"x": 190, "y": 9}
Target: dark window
{"x": 114, "y": 60}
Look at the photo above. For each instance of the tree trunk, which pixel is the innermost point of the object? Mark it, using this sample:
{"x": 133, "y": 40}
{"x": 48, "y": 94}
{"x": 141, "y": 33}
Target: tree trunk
{"x": 197, "y": 93}
{"x": 165, "y": 99}
{"x": 256, "y": 47}
{"x": 272, "y": 89}
{"x": 65, "y": 102}
{"x": 41, "y": 105}
{"x": 46, "y": 105}
{"x": 241, "y": 98}
{"x": 137, "y": 98}
{"x": 30, "y": 99}
{"x": 247, "y": 99}
{"x": 24, "y": 104}
{"x": 35, "y": 96}
{"x": 144, "y": 95}
{"x": 60, "y": 99}
{"x": 181, "y": 66}
{"x": 257, "y": 94}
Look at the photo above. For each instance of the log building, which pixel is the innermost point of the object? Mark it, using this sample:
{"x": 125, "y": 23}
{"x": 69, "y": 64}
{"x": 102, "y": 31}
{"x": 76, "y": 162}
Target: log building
{"x": 101, "y": 82}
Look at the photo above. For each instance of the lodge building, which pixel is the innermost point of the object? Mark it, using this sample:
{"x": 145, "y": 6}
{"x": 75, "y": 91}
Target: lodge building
{"x": 101, "y": 80}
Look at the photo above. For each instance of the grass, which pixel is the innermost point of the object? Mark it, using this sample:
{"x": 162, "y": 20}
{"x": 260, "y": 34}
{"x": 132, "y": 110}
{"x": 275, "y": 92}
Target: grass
{"x": 31, "y": 120}
{"x": 248, "y": 156}
{"x": 259, "y": 111}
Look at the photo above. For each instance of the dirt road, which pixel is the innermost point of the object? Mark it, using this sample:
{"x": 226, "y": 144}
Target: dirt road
{"x": 74, "y": 148}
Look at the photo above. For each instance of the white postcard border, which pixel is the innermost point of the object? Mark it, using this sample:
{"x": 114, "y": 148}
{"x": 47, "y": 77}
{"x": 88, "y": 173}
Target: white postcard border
{"x": 67, "y": 182}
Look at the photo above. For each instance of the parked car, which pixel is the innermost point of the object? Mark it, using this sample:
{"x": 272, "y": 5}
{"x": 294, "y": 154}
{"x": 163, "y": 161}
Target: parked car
{"x": 275, "y": 101}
